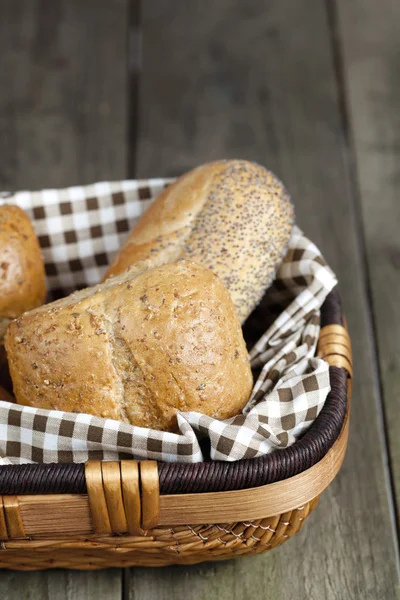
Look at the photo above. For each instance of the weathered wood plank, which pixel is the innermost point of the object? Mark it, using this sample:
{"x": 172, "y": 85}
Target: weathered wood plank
{"x": 61, "y": 585}
{"x": 63, "y": 81}
{"x": 256, "y": 79}
{"x": 63, "y": 100}
{"x": 370, "y": 40}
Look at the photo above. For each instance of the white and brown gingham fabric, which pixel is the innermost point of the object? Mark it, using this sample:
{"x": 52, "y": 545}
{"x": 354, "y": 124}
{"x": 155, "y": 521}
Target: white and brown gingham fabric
{"x": 80, "y": 229}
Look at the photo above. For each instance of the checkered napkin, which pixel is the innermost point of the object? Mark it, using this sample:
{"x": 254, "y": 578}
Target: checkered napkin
{"x": 80, "y": 229}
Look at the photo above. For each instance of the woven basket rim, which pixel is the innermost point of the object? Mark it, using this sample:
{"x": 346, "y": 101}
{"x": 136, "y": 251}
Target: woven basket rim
{"x": 212, "y": 476}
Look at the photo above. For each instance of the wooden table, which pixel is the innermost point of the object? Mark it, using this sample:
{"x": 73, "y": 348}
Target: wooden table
{"x": 310, "y": 89}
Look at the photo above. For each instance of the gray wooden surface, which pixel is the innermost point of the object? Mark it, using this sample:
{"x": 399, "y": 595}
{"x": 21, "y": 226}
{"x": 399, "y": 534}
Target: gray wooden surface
{"x": 311, "y": 90}
{"x": 371, "y": 72}
{"x": 62, "y": 121}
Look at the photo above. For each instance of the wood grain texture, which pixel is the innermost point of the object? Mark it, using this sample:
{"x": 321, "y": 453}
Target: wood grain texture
{"x": 60, "y": 585}
{"x": 369, "y": 34}
{"x": 63, "y": 104}
{"x": 12, "y": 514}
{"x": 113, "y": 492}
{"x": 150, "y": 494}
{"x": 334, "y": 346}
{"x": 54, "y": 516}
{"x": 96, "y": 498}
{"x": 63, "y": 100}
{"x": 257, "y": 81}
{"x": 131, "y": 494}
{"x": 3, "y": 523}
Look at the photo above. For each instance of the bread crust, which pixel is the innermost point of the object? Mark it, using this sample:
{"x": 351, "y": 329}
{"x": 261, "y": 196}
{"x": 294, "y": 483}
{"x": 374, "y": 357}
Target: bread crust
{"x": 22, "y": 274}
{"x": 232, "y": 216}
{"x": 137, "y": 348}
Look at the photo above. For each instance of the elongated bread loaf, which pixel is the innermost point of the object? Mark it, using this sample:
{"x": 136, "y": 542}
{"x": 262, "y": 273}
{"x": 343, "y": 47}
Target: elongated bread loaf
{"x": 136, "y": 348}
{"x": 232, "y": 216}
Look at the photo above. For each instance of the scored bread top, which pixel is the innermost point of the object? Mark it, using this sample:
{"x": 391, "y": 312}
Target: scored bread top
{"x": 137, "y": 348}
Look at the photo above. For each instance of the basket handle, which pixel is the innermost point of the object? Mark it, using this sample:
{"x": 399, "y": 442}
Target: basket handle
{"x": 123, "y": 496}
{"x": 334, "y": 346}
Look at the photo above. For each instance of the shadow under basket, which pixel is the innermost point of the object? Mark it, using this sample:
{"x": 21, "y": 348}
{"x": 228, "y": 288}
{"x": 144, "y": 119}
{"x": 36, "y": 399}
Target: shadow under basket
{"x": 120, "y": 514}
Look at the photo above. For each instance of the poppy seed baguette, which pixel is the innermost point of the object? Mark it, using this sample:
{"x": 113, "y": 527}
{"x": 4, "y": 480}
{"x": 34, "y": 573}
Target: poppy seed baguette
{"x": 232, "y": 216}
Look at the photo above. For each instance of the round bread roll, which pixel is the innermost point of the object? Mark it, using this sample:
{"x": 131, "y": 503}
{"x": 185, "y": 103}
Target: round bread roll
{"x": 138, "y": 348}
{"x": 22, "y": 275}
{"x": 232, "y": 216}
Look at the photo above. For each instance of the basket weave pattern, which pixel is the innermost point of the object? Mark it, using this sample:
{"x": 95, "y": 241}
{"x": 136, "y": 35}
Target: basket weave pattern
{"x": 127, "y": 513}
{"x": 158, "y": 547}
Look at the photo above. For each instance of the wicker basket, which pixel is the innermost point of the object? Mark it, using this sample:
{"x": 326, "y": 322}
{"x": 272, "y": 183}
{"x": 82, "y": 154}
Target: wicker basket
{"x": 119, "y": 514}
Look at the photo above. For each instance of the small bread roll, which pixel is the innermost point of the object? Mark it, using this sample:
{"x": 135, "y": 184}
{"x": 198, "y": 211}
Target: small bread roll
{"x": 232, "y": 216}
{"x": 22, "y": 275}
{"x": 138, "y": 348}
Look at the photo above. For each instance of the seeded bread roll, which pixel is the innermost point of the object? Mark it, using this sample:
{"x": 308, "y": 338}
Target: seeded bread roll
{"x": 232, "y": 216}
{"x": 22, "y": 276}
{"x": 137, "y": 348}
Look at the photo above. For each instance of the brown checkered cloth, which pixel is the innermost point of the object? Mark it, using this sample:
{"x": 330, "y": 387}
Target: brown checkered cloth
{"x": 80, "y": 229}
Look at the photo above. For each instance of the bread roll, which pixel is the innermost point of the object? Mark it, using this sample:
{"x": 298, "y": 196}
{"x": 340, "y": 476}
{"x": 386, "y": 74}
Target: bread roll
{"x": 232, "y": 216}
{"x": 22, "y": 275}
{"x": 137, "y": 348}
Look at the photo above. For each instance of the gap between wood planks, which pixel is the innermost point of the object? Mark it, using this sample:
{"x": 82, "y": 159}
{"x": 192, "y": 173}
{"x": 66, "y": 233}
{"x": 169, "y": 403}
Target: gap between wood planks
{"x": 134, "y": 60}
{"x": 257, "y": 80}
{"x": 338, "y": 64}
